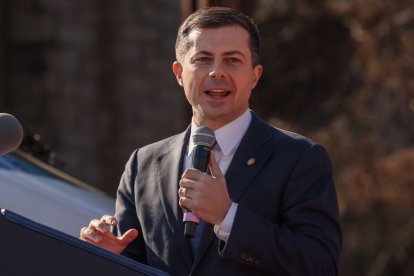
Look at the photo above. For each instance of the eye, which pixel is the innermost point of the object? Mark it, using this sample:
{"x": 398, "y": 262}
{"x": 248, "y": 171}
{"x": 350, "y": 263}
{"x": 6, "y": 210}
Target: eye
{"x": 202, "y": 59}
{"x": 233, "y": 60}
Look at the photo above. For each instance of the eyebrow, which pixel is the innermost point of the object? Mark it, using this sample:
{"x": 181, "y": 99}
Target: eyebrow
{"x": 228, "y": 53}
{"x": 203, "y": 52}
{"x": 235, "y": 52}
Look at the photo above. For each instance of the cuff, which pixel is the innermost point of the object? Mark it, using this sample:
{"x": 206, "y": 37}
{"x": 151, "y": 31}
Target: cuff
{"x": 223, "y": 230}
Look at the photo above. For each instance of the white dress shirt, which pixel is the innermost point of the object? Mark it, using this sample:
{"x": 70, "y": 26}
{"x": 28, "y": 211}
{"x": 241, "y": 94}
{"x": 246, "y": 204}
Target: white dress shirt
{"x": 228, "y": 139}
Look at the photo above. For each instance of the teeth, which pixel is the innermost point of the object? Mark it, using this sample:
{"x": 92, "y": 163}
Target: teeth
{"x": 217, "y": 91}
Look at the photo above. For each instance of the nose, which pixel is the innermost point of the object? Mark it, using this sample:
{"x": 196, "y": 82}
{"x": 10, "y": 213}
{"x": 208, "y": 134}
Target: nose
{"x": 217, "y": 71}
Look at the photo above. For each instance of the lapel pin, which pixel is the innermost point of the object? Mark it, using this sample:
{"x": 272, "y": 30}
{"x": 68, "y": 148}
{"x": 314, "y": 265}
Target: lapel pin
{"x": 251, "y": 161}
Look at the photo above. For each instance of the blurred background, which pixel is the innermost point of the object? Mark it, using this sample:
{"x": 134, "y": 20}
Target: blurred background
{"x": 91, "y": 80}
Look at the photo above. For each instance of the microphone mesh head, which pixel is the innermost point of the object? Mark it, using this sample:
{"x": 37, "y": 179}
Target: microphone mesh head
{"x": 11, "y": 133}
{"x": 204, "y": 136}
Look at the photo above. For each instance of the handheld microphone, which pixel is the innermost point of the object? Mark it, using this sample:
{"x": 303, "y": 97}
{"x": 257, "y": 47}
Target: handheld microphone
{"x": 11, "y": 133}
{"x": 204, "y": 140}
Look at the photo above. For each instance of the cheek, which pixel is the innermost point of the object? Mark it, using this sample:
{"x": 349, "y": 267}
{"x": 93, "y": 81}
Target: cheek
{"x": 192, "y": 83}
{"x": 244, "y": 86}
{"x": 190, "y": 90}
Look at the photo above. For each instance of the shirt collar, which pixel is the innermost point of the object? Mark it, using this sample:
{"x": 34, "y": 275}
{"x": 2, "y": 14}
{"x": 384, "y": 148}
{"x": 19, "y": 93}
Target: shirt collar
{"x": 228, "y": 137}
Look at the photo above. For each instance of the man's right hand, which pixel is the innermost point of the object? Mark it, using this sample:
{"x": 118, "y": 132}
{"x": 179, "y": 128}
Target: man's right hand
{"x": 98, "y": 233}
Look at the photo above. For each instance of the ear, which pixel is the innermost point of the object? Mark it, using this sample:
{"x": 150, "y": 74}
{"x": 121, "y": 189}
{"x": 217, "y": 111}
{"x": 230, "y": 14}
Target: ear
{"x": 178, "y": 70}
{"x": 257, "y": 73}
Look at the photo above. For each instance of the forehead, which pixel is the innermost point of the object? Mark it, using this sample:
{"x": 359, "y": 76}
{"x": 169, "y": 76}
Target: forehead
{"x": 222, "y": 39}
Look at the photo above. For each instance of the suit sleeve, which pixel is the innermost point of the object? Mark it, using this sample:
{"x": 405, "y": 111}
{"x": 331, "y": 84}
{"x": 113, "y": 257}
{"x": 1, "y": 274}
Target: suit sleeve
{"x": 306, "y": 238}
{"x": 125, "y": 210}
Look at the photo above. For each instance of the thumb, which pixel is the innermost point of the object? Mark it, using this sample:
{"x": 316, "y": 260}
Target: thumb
{"x": 129, "y": 236}
{"x": 214, "y": 167}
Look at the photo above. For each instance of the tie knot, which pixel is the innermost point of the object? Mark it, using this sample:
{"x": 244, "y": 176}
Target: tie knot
{"x": 216, "y": 147}
{"x": 217, "y": 152}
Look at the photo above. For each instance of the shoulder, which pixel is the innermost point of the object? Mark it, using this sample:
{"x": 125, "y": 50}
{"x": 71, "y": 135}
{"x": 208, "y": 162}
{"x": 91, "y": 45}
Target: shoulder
{"x": 290, "y": 138}
{"x": 262, "y": 130}
{"x": 280, "y": 141}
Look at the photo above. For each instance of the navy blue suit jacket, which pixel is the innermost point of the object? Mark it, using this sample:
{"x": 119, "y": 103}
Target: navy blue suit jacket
{"x": 287, "y": 221}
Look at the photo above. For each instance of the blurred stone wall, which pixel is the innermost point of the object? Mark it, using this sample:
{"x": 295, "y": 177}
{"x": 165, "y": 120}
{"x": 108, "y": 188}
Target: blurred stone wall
{"x": 92, "y": 79}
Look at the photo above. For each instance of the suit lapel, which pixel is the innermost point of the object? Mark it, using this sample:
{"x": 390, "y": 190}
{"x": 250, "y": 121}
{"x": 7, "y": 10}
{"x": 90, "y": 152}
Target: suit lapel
{"x": 169, "y": 167}
{"x": 249, "y": 158}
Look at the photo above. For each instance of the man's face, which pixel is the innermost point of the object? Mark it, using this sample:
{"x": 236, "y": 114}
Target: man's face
{"x": 217, "y": 74}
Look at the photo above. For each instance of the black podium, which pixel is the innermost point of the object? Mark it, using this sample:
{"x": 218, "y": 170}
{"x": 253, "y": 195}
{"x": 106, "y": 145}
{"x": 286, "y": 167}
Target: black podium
{"x": 30, "y": 248}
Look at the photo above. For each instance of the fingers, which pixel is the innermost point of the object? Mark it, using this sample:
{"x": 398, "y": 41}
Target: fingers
{"x": 184, "y": 197}
{"x": 129, "y": 236}
{"x": 192, "y": 173}
{"x": 186, "y": 183}
{"x": 184, "y": 192}
{"x": 98, "y": 233}
{"x": 104, "y": 224}
{"x": 181, "y": 192}
{"x": 87, "y": 234}
{"x": 98, "y": 228}
{"x": 109, "y": 220}
{"x": 214, "y": 167}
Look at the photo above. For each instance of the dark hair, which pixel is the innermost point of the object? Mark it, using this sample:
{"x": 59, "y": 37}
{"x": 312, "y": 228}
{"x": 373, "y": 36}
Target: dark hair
{"x": 215, "y": 17}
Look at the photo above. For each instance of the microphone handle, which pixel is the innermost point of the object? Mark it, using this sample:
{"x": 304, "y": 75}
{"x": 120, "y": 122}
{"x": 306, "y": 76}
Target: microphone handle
{"x": 201, "y": 155}
{"x": 200, "y": 161}
{"x": 190, "y": 227}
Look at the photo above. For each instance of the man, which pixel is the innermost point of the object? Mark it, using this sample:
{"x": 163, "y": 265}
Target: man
{"x": 269, "y": 205}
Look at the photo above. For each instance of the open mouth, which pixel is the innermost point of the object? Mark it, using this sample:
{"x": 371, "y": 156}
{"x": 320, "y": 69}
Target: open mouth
{"x": 217, "y": 93}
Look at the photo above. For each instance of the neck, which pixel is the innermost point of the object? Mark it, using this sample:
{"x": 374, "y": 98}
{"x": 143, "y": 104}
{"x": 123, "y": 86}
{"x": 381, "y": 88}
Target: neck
{"x": 214, "y": 124}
